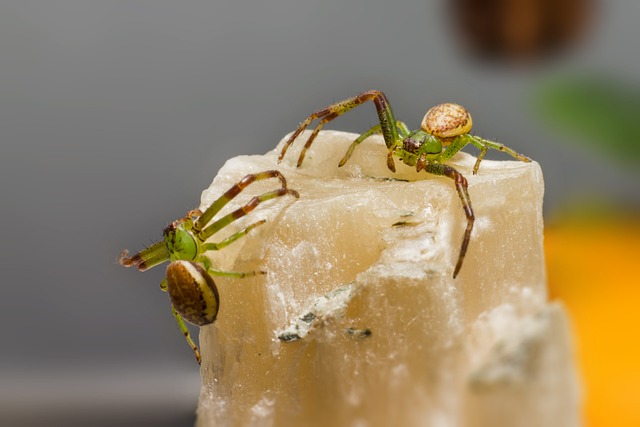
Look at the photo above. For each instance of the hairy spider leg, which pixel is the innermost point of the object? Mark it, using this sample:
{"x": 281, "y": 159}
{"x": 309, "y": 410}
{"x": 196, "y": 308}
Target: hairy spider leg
{"x": 149, "y": 257}
{"x": 484, "y": 144}
{"x": 233, "y": 237}
{"x": 228, "y": 219}
{"x": 403, "y": 132}
{"x": 231, "y": 193}
{"x": 187, "y": 334}
{"x": 204, "y": 260}
{"x": 385, "y": 116}
{"x": 375, "y": 129}
{"x": 459, "y": 142}
{"x": 211, "y": 272}
{"x": 182, "y": 325}
{"x": 239, "y": 213}
{"x": 158, "y": 253}
{"x": 437, "y": 168}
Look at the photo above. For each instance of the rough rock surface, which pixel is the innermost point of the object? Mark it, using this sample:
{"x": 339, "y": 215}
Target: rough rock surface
{"x": 359, "y": 280}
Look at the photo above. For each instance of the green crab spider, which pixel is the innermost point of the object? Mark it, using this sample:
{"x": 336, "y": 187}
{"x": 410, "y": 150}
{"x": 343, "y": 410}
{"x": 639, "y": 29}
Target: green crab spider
{"x": 444, "y": 131}
{"x": 193, "y": 293}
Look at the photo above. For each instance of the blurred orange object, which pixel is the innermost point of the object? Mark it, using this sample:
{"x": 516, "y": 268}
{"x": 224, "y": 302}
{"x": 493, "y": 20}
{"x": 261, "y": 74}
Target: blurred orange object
{"x": 590, "y": 268}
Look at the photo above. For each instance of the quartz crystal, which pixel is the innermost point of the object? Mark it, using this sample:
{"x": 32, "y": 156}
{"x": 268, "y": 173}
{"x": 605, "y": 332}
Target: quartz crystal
{"x": 359, "y": 321}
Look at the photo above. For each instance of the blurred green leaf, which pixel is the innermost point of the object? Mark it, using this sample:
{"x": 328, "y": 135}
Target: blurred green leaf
{"x": 602, "y": 112}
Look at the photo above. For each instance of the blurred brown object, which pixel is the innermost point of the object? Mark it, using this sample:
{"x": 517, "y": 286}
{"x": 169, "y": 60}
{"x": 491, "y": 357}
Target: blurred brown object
{"x": 520, "y": 29}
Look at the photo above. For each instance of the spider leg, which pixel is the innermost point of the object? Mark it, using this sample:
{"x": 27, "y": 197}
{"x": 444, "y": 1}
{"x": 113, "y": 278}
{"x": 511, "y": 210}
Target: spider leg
{"x": 401, "y": 127}
{"x": 455, "y": 145}
{"x": 375, "y": 129}
{"x": 403, "y": 130}
{"x": 385, "y": 116}
{"x": 235, "y": 274}
{"x": 231, "y": 193}
{"x": 484, "y": 144}
{"x": 186, "y": 333}
{"x": 242, "y": 211}
{"x": 206, "y": 262}
{"x": 461, "y": 187}
{"x": 233, "y": 237}
{"x": 149, "y": 257}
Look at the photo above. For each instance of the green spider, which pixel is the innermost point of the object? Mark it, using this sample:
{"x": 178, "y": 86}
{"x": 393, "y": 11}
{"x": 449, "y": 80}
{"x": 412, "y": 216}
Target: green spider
{"x": 444, "y": 131}
{"x": 193, "y": 293}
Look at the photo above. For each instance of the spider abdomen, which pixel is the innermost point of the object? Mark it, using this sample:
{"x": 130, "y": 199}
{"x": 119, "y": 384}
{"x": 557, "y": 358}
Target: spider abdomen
{"x": 193, "y": 292}
{"x": 447, "y": 121}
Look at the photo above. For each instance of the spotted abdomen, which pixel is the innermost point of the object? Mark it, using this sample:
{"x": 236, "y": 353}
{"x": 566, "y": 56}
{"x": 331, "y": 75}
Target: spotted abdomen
{"x": 447, "y": 121}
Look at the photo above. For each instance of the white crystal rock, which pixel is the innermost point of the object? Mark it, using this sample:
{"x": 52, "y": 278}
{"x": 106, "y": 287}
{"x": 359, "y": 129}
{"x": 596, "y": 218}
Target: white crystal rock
{"x": 359, "y": 281}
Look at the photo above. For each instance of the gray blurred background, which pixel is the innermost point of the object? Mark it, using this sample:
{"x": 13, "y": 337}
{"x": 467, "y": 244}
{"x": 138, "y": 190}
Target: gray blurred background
{"x": 115, "y": 115}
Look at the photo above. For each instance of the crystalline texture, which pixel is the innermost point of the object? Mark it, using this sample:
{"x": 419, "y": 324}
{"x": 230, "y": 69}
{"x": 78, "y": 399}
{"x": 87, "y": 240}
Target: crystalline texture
{"x": 360, "y": 284}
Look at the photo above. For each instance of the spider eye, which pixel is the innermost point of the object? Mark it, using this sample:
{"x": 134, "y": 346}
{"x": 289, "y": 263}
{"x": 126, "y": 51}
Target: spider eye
{"x": 447, "y": 121}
